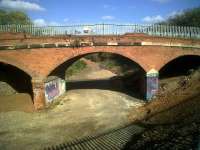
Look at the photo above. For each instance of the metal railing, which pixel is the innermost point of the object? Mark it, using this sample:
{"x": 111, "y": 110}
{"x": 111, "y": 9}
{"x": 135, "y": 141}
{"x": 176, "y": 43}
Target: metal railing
{"x": 105, "y": 29}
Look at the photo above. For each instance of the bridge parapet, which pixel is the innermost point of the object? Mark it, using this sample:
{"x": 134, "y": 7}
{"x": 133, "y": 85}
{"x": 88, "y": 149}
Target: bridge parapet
{"x": 105, "y": 29}
{"x": 128, "y": 39}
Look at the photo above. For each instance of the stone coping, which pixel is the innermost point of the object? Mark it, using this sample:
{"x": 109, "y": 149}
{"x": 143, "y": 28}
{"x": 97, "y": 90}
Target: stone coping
{"x": 84, "y": 44}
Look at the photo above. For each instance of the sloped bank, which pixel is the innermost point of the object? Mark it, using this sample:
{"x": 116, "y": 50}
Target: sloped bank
{"x": 172, "y": 120}
{"x": 185, "y": 93}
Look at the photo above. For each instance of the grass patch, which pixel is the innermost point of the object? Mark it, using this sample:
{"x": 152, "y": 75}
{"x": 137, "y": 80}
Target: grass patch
{"x": 75, "y": 68}
{"x": 109, "y": 64}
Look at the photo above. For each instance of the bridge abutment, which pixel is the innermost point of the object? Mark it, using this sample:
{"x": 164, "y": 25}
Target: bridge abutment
{"x": 152, "y": 81}
{"x": 38, "y": 93}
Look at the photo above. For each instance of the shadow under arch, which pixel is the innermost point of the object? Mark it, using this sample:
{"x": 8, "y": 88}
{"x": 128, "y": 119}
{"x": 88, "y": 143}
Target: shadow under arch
{"x": 138, "y": 77}
{"x": 18, "y": 79}
{"x": 179, "y": 66}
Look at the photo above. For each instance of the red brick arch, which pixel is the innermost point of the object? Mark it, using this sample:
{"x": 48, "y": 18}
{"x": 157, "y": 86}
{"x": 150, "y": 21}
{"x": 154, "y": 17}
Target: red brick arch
{"x": 174, "y": 58}
{"x": 18, "y": 76}
{"x": 147, "y": 57}
{"x": 84, "y": 53}
{"x": 17, "y": 65}
{"x": 40, "y": 62}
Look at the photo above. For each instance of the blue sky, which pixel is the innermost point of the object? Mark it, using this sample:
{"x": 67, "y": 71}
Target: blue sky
{"x": 61, "y": 12}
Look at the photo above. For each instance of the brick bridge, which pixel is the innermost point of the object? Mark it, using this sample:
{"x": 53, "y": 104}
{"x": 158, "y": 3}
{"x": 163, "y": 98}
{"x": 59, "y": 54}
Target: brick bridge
{"x": 39, "y": 57}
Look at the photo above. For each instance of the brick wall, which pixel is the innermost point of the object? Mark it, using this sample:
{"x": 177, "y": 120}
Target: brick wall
{"x": 19, "y": 38}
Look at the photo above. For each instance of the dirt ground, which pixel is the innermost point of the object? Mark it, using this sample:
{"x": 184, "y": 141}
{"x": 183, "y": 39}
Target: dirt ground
{"x": 78, "y": 113}
{"x": 172, "y": 121}
{"x": 91, "y": 106}
{"x": 16, "y": 102}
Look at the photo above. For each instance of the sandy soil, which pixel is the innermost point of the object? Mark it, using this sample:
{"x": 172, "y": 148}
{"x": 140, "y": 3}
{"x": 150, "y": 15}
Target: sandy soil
{"x": 78, "y": 113}
{"x": 91, "y": 106}
{"x": 16, "y": 102}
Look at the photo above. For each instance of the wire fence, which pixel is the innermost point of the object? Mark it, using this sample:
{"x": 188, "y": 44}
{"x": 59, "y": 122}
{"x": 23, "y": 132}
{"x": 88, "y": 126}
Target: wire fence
{"x": 105, "y": 29}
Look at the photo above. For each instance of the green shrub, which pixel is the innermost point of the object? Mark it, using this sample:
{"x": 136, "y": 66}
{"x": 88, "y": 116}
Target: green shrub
{"x": 75, "y": 68}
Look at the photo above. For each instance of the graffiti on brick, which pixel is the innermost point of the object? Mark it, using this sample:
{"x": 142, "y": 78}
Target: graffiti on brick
{"x": 152, "y": 84}
{"x": 52, "y": 89}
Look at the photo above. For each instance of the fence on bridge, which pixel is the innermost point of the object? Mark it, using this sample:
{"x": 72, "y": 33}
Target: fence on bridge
{"x": 105, "y": 29}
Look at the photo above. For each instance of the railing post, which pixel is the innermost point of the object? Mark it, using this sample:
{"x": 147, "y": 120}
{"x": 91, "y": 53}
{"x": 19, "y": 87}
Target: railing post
{"x": 103, "y": 28}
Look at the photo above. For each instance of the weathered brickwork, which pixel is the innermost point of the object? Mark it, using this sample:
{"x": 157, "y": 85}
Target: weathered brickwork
{"x": 40, "y": 62}
{"x": 20, "y": 38}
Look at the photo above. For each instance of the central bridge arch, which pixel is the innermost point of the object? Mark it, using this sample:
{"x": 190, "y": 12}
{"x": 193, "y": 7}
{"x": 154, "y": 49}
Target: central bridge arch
{"x": 138, "y": 77}
{"x": 75, "y": 55}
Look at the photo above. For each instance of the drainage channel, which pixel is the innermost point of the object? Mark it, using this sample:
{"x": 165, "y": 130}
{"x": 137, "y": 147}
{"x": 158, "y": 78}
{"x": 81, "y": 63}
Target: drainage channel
{"x": 112, "y": 140}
